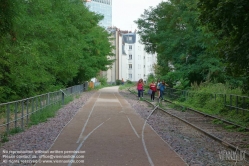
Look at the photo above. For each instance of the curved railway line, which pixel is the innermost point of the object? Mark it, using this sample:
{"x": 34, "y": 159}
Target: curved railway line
{"x": 217, "y": 129}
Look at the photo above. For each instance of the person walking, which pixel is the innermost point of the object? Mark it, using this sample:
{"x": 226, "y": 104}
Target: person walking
{"x": 139, "y": 88}
{"x": 158, "y": 87}
{"x": 142, "y": 93}
{"x": 122, "y": 81}
{"x": 162, "y": 87}
{"x": 153, "y": 89}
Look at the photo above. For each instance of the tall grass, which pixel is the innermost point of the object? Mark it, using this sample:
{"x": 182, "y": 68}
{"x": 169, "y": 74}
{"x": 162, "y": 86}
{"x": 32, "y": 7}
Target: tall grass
{"x": 48, "y": 112}
{"x": 203, "y": 98}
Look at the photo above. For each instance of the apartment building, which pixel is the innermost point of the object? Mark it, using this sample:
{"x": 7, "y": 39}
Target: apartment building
{"x": 139, "y": 64}
{"x": 131, "y": 62}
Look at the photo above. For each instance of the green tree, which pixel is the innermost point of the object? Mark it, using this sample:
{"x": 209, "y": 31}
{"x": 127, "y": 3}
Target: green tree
{"x": 172, "y": 29}
{"x": 56, "y": 43}
{"x": 228, "y": 19}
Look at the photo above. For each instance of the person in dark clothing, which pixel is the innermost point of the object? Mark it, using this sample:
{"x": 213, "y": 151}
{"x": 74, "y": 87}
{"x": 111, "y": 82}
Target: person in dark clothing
{"x": 162, "y": 87}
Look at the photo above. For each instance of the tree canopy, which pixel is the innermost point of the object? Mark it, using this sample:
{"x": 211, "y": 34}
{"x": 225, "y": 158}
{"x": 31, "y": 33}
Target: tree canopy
{"x": 188, "y": 49}
{"x": 229, "y": 20}
{"x": 49, "y": 44}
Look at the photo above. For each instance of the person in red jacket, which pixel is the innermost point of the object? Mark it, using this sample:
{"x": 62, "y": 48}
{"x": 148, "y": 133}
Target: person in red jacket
{"x": 140, "y": 87}
{"x": 153, "y": 88}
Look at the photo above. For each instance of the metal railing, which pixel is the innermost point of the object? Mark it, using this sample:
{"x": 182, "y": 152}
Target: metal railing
{"x": 16, "y": 114}
{"x": 231, "y": 101}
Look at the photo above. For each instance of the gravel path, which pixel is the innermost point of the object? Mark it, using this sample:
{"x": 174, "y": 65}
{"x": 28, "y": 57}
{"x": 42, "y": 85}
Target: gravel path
{"x": 41, "y": 136}
{"x": 195, "y": 148}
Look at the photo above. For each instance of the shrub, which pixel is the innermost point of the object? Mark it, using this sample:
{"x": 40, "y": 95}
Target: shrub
{"x": 118, "y": 82}
{"x": 102, "y": 80}
{"x": 129, "y": 82}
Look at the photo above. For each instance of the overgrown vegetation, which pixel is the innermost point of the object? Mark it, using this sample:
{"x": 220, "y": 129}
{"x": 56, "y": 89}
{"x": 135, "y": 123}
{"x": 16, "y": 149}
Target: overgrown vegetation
{"x": 102, "y": 80}
{"x": 201, "y": 47}
{"x": 127, "y": 85}
{"x": 48, "y": 45}
{"x": 198, "y": 41}
{"x": 209, "y": 98}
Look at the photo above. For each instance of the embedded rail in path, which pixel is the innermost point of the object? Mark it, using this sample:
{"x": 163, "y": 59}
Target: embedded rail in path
{"x": 203, "y": 123}
{"x": 109, "y": 132}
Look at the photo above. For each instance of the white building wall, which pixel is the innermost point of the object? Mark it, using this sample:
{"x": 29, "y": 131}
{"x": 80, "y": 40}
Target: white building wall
{"x": 141, "y": 63}
{"x": 123, "y": 63}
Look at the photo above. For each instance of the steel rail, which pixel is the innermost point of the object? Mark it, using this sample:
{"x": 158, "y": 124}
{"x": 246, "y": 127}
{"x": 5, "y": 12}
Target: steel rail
{"x": 214, "y": 117}
{"x": 224, "y": 143}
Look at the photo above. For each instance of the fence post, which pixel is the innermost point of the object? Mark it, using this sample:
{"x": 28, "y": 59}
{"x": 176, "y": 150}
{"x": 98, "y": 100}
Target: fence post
{"x": 62, "y": 98}
{"x": 48, "y": 103}
{"x": 27, "y": 120}
{"x": 33, "y": 107}
{"x": 225, "y": 99}
{"x": 22, "y": 115}
{"x": 237, "y": 104}
{"x": 15, "y": 114}
{"x": 8, "y": 119}
{"x": 244, "y": 105}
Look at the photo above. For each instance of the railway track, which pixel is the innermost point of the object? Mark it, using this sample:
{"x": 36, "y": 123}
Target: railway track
{"x": 222, "y": 131}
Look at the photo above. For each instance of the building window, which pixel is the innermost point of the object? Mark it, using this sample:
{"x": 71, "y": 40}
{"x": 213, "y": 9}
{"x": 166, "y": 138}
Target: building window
{"x": 130, "y": 47}
{"x": 130, "y": 38}
{"x": 130, "y": 66}
{"x": 130, "y": 56}
{"x": 130, "y": 76}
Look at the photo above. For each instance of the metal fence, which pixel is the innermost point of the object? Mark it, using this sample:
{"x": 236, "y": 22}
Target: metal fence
{"x": 231, "y": 101}
{"x": 16, "y": 114}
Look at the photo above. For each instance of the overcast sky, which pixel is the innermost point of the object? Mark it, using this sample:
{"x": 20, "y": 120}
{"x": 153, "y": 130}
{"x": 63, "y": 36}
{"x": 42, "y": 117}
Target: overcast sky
{"x": 124, "y": 12}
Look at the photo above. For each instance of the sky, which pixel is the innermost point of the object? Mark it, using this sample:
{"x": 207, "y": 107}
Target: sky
{"x": 124, "y": 12}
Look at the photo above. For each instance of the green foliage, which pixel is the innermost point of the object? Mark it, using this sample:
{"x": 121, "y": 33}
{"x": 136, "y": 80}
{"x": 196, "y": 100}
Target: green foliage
{"x": 43, "y": 115}
{"x": 173, "y": 30}
{"x": 4, "y": 137}
{"x": 46, "y": 45}
{"x": 198, "y": 41}
{"x": 151, "y": 78}
{"x": 241, "y": 129}
{"x": 102, "y": 80}
{"x": 126, "y": 86}
{"x": 218, "y": 88}
{"x": 15, "y": 130}
{"x": 118, "y": 82}
{"x": 202, "y": 96}
{"x": 46, "y": 113}
{"x": 228, "y": 20}
{"x": 129, "y": 82}
{"x": 217, "y": 121}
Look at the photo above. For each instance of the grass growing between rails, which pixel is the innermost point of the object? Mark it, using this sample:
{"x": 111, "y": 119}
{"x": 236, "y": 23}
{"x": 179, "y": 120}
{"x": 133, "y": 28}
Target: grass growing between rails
{"x": 202, "y": 98}
{"x": 48, "y": 112}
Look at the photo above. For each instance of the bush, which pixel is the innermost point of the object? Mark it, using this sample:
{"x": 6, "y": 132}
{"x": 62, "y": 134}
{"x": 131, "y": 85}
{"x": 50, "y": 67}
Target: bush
{"x": 118, "y": 82}
{"x": 129, "y": 82}
{"x": 102, "y": 80}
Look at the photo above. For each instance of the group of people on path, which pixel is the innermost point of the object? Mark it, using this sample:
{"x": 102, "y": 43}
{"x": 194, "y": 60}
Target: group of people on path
{"x": 158, "y": 87}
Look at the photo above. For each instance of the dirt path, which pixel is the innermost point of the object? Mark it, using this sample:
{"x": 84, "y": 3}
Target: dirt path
{"x": 107, "y": 131}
